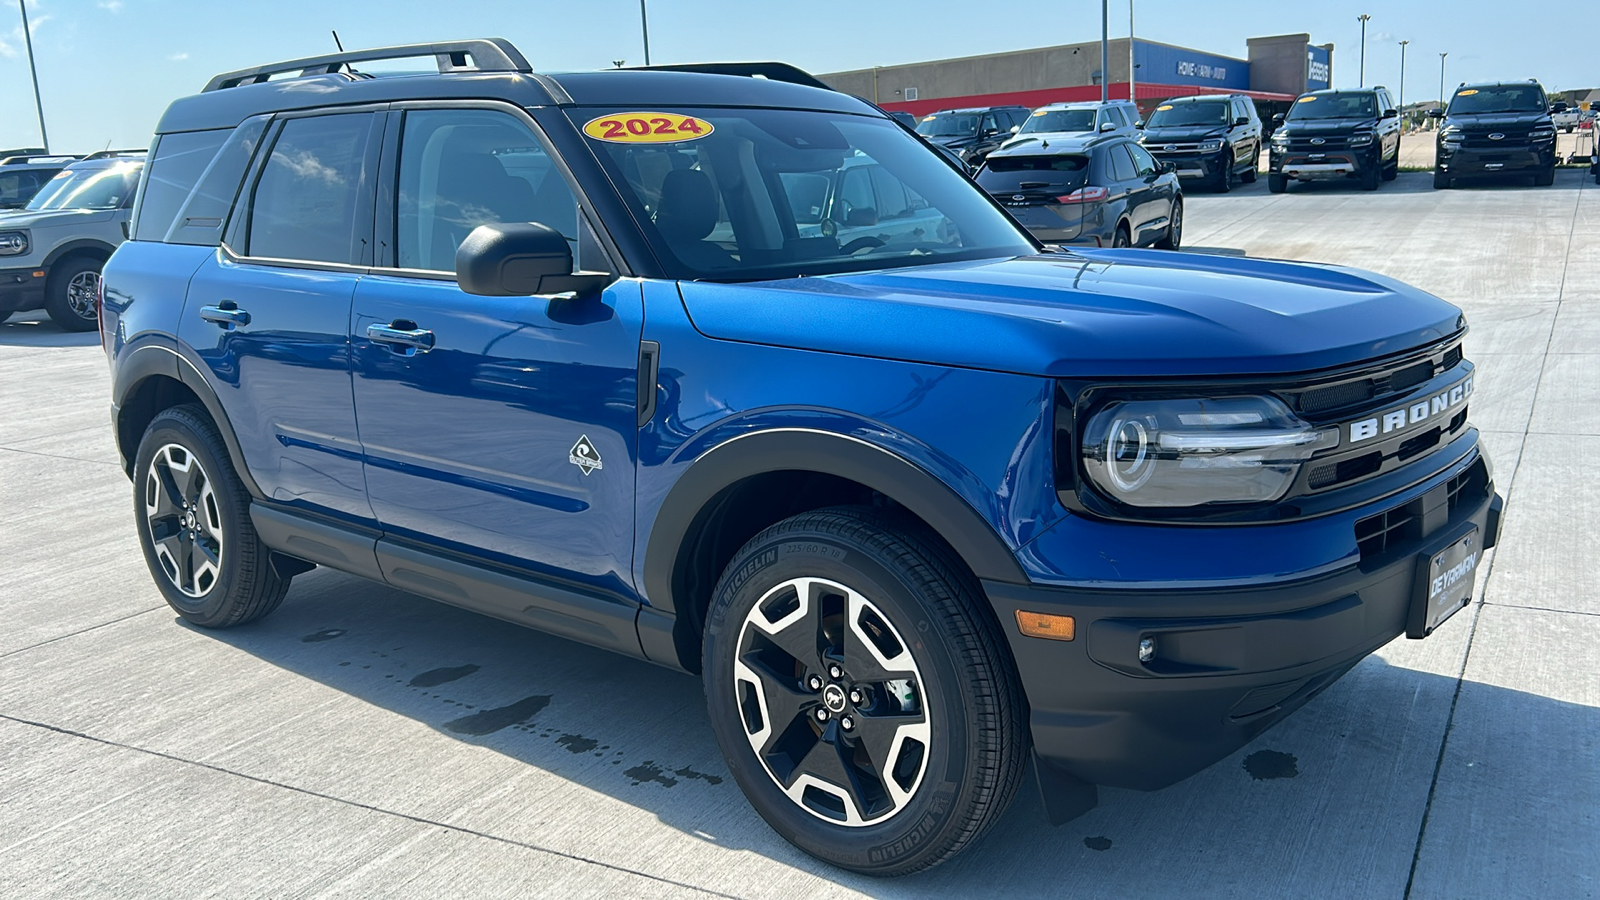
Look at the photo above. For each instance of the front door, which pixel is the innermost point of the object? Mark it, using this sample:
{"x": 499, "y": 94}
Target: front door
{"x": 268, "y": 315}
{"x": 503, "y": 428}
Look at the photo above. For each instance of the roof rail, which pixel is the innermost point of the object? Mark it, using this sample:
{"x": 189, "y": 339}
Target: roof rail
{"x": 110, "y": 154}
{"x": 21, "y": 159}
{"x": 772, "y": 71}
{"x": 485, "y": 54}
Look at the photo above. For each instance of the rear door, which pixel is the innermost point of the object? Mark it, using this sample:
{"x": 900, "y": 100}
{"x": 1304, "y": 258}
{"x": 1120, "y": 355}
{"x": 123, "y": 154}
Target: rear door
{"x": 501, "y": 428}
{"x": 268, "y": 315}
{"x": 1157, "y": 193}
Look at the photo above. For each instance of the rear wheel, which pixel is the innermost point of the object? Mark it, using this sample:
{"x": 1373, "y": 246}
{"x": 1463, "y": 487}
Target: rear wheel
{"x": 70, "y": 295}
{"x": 1174, "y": 237}
{"x": 194, "y": 525}
{"x": 1277, "y": 184}
{"x": 1123, "y": 237}
{"x": 864, "y": 698}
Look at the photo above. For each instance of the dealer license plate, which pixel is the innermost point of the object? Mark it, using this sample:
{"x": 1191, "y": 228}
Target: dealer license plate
{"x": 1444, "y": 584}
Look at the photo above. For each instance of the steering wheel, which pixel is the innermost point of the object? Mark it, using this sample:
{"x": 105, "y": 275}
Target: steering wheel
{"x": 859, "y": 244}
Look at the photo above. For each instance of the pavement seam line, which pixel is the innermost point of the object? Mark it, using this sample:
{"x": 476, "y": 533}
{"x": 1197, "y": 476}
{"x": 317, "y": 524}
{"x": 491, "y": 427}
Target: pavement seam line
{"x": 97, "y": 462}
{"x": 1472, "y": 636}
{"x": 1565, "y": 612}
{"x": 85, "y": 630}
{"x": 420, "y": 820}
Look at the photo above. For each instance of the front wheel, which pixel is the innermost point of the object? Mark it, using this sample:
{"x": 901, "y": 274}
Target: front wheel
{"x": 1441, "y": 181}
{"x": 1370, "y": 176}
{"x": 71, "y": 293}
{"x": 1225, "y": 177}
{"x": 1545, "y": 177}
{"x": 861, "y": 692}
{"x": 1174, "y": 237}
{"x": 194, "y": 525}
{"x": 1277, "y": 184}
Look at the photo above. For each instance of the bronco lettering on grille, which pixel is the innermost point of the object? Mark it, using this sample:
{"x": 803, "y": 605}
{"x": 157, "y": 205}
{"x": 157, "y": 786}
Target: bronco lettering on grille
{"x": 1404, "y": 416}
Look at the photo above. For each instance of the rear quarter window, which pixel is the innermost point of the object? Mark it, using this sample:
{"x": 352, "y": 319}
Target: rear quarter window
{"x": 175, "y": 167}
{"x": 205, "y": 211}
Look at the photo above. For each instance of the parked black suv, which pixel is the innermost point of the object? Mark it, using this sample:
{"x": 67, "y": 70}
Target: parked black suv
{"x": 1336, "y": 134}
{"x": 972, "y": 133}
{"x": 1494, "y": 128}
{"x": 1213, "y": 138}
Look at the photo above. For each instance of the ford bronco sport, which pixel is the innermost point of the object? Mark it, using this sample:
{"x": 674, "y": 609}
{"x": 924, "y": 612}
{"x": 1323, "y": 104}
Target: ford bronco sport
{"x": 926, "y": 509}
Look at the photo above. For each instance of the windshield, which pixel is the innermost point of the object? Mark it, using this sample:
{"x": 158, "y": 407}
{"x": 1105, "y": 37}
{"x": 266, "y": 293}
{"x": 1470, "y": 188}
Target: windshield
{"x": 1057, "y": 120}
{"x": 1504, "y": 98}
{"x": 755, "y": 194}
{"x": 1203, "y": 112}
{"x": 948, "y": 126}
{"x": 98, "y": 188}
{"x": 1334, "y": 106}
{"x": 1005, "y": 174}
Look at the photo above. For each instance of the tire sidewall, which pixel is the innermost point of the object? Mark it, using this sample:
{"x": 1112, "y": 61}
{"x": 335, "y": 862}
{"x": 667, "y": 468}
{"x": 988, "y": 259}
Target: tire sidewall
{"x": 892, "y": 844}
{"x": 56, "y": 304}
{"x": 178, "y": 427}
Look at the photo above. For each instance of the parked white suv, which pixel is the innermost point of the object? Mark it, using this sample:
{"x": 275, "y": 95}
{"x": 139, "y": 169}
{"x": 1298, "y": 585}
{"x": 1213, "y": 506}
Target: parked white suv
{"x": 1078, "y": 119}
{"x": 52, "y": 250}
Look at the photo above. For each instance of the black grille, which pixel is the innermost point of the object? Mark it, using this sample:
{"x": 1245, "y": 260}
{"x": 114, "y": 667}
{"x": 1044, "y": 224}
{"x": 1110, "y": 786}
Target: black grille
{"x": 1305, "y": 145}
{"x": 1386, "y": 531}
{"x": 1513, "y": 140}
{"x": 1351, "y": 392}
{"x": 1371, "y": 387}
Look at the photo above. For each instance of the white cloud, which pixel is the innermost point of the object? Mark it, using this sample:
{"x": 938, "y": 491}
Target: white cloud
{"x": 112, "y": 6}
{"x": 178, "y": 57}
{"x": 11, "y": 44}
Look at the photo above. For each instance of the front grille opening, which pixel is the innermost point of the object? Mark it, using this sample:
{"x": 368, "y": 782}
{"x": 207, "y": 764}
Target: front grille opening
{"x": 1410, "y": 376}
{"x": 1376, "y": 534}
{"x": 1335, "y": 396}
{"x": 1337, "y": 473}
{"x": 1452, "y": 358}
{"x": 1420, "y": 444}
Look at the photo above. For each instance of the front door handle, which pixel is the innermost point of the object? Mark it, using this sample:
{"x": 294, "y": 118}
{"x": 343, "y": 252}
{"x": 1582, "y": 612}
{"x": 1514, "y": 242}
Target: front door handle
{"x": 402, "y": 336}
{"x": 226, "y": 314}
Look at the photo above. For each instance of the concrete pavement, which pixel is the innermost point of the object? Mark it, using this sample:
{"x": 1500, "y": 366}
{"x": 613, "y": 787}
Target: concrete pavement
{"x": 362, "y": 741}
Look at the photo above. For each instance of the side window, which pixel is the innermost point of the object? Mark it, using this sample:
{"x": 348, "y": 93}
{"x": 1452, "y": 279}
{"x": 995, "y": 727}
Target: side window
{"x": 461, "y": 168}
{"x": 17, "y": 188}
{"x": 855, "y": 195}
{"x": 307, "y": 201}
{"x": 1143, "y": 162}
{"x": 1121, "y": 164}
{"x": 988, "y": 124}
{"x": 891, "y": 194}
{"x": 179, "y": 161}
{"x": 204, "y": 213}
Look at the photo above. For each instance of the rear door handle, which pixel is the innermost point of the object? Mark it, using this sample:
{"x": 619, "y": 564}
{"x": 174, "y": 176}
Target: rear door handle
{"x": 401, "y": 335}
{"x": 227, "y": 314}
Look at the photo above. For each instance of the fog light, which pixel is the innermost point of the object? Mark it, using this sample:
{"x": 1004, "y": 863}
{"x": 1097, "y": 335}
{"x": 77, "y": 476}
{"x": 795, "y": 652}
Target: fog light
{"x": 1147, "y": 649}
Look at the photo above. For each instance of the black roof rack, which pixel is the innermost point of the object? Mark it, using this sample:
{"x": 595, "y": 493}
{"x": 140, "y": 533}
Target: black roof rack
{"x": 772, "y": 71}
{"x": 480, "y": 55}
{"x": 23, "y": 159}
{"x": 112, "y": 154}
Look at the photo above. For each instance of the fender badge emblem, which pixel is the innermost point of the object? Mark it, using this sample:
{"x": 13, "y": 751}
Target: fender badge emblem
{"x": 585, "y": 456}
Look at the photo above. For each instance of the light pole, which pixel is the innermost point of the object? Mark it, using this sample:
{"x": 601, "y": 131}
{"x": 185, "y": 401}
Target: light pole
{"x": 1105, "y": 46}
{"x": 1403, "y": 84}
{"x": 38, "y": 102}
{"x": 1131, "y": 78}
{"x": 1363, "y": 18}
{"x": 644, "y": 24}
{"x": 1441, "y": 78}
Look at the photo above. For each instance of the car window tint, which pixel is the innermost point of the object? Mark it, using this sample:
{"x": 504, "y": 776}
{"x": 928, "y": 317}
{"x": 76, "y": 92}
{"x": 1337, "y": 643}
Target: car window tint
{"x": 17, "y": 187}
{"x": 305, "y": 203}
{"x": 461, "y": 168}
{"x": 988, "y": 123}
{"x": 1121, "y": 165}
{"x": 204, "y": 213}
{"x": 891, "y": 194}
{"x": 1143, "y": 162}
{"x": 178, "y": 162}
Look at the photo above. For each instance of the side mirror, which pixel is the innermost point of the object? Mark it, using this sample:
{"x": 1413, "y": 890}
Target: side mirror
{"x": 1139, "y": 124}
{"x": 1107, "y": 126}
{"x": 1015, "y": 129}
{"x": 1277, "y": 117}
{"x": 862, "y": 216}
{"x": 1391, "y": 114}
{"x": 126, "y": 234}
{"x": 519, "y": 259}
{"x": 1435, "y": 113}
{"x": 1242, "y": 120}
{"x": 1168, "y": 168}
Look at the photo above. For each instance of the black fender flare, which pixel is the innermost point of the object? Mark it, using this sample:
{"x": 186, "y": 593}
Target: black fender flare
{"x": 792, "y": 449}
{"x": 152, "y": 360}
{"x": 99, "y": 248}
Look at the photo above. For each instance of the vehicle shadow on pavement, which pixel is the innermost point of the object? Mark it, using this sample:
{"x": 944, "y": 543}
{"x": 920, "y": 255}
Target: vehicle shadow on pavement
{"x": 41, "y": 332}
{"x": 1328, "y": 803}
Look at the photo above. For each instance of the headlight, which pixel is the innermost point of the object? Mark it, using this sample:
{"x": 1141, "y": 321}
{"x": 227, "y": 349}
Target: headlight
{"x": 13, "y": 243}
{"x": 1210, "y": 146}
{"x": 1281, "y": 137}
{"x": 1451, "y": 135}
{"x": 1542, "y": 134}
{"x": 1192, "y": 452}
{"x": 1360, "y": 140}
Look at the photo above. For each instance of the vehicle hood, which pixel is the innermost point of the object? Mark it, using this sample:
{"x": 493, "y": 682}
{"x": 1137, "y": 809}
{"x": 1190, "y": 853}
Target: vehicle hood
{"x": 1179, "y": 134}
{"x": 1499, "y": 120}
{"x": 1097, "y": 313}
{"x": 953, "y": 141}
{"x": 21, "y": 218}
{"x": 1049, "y": 141}
{"x": 1321, "y": 127}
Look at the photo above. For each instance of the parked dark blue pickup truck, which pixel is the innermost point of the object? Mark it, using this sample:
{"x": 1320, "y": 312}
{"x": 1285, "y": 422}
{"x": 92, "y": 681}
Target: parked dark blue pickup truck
{"x": 735, "y": 375}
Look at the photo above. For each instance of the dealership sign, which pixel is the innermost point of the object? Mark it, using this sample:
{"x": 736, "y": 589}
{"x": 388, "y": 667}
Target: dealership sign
{"x": 1190, "y": 69}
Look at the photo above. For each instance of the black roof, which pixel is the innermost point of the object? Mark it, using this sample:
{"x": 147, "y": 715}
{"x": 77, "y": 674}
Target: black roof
{"x": 325, "y": 81}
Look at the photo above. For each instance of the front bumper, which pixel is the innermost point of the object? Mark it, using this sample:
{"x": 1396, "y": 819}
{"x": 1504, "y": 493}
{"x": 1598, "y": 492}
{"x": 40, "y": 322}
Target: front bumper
{"x": 1318, "y": 166}
{"x": 1194, "y": 167}
{"x": 1231, "y": 660}
{"x": 1493, "y": 162}
{"x": 22, "y": 289}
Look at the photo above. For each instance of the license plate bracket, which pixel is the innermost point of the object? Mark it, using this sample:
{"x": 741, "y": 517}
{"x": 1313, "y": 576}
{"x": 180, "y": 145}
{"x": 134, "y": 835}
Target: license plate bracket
{"x": 1445, "y": 579}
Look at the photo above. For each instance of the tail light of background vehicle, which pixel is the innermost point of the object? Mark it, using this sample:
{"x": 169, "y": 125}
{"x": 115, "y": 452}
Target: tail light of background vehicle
{"x": 1085, "y": 195}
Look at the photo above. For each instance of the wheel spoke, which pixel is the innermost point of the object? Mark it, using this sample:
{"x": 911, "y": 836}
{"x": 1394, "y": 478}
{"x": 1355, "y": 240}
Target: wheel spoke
{"x": 786, "y": 701}
{"x": 798, "y": 632}
{"x": 169, "y": 499}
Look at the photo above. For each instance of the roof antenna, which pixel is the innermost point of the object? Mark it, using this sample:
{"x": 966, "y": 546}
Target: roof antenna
{"x": 337, "y": 43}
{"x": 340, "y": 44}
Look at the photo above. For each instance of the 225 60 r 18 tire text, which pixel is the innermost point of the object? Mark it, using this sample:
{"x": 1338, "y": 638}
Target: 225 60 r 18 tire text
{"x": 866, "y": 577}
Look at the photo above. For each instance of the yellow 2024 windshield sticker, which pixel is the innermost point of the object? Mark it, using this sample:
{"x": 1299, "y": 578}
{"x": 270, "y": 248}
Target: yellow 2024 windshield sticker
{"x": 647, "y": 128}
{"x": 1466, "y": 93}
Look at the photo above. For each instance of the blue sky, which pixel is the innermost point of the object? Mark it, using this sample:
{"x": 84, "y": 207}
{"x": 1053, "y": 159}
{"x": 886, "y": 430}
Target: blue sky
{"x": 107, "y": 68}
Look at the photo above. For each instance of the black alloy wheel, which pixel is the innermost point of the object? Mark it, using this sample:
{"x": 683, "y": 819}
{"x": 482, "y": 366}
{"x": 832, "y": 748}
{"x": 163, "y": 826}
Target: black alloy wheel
{"x": 862, "y": 694}
{"x": 72, "y": 293}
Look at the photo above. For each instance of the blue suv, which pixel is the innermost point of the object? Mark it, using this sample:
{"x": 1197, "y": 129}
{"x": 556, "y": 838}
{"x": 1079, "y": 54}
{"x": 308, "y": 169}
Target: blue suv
{"x": 634, "y": 357}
